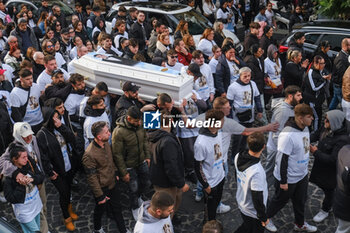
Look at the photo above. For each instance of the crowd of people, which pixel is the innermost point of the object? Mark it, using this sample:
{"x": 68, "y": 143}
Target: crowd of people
{"x": 52, "y": 126}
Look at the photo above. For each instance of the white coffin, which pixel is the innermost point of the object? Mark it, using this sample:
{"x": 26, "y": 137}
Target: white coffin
{"x": 152, "y": 79}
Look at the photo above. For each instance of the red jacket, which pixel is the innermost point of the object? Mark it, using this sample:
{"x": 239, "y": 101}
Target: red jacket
{"x": 185, "y": 60}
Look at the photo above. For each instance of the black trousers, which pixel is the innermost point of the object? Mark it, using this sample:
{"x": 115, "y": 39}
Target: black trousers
{"x": 112, "y": 206}
{"x": 250, "y": 225}
{"x": 239, "y": 142}
{"x": 187, "y": 145}
{"x": 328, "y": 199}
{"x": 63, "y": 186}
{"x": 296, "y": 192}
{"x": 212, "y": 200}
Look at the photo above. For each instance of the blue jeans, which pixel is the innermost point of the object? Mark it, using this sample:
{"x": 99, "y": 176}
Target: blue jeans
{"x": 337, "y": 96}
{"x": 32, "y": 226}
{"x": 139, "y": 183}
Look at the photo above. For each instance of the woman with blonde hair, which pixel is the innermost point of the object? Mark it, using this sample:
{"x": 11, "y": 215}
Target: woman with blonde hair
{"x": 189, "y": 42}
{"x": 219, "y": 35}
{"x": 207, "y": 42}
{"x": 181, "y": 29}
{"x": 294, "y": 71}
{"x": 162, "y": 46}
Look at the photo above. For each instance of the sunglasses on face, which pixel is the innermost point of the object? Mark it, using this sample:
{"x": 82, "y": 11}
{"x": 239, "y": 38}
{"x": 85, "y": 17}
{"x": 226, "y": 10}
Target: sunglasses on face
{"x": 172, "y": 57}
{"x": 50, "y": 46}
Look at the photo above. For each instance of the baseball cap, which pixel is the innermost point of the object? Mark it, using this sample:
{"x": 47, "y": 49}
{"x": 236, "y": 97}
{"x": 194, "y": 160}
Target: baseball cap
{"x": 24, "y": 129}
{"x": 2, "y": 71}
{"x": 194, "y": 68}
{"x": 130, "y": 86}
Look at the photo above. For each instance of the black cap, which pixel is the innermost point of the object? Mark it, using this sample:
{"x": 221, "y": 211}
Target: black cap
{"x": 194, "y": 68}
{"x": 134, "y": 112}
{"x": 65, "y": 30}
{"x": 130, "y": 86}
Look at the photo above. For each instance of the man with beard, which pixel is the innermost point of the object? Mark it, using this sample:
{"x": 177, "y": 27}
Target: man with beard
{"x": 38, "y": 65}
{"x": 131, "y": 98}
{"x": 48, "y": 47}
{"x": 282, "y": 111}
{"x": 81, "y": 51}
{"x": 66, "y": 42}
{"x": 58, "y": 88}
{"x": 50, "y": 66}
{"x": 121, "y": 15}
{"x": 132, "y": 155}
{"x": 95, "y": 110}
{"x": 102, "y": 177}
{"x": 78, "y": 42}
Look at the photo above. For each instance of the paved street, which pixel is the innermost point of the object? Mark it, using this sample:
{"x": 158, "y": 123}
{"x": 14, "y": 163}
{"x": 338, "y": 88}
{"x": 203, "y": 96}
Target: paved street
{"x": 191, "y": 213}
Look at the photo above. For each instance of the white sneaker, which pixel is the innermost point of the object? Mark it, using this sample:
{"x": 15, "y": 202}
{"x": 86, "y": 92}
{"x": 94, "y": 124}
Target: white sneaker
{"x": 139, "y": 201}
{"x": 320, "y": 216}
{"x": 223, "y": 208}
{"x": 100, "y": 231}
{"x": 306, "y": 227}
{"x": 271, "y": 227}
{"x": 198, "y": 198}
{"x": 135, "y": 213}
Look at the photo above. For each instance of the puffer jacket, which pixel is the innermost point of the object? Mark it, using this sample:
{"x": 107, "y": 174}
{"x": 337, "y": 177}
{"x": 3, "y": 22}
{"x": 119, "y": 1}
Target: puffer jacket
{"x": 346, "y": 85}
{"x": 100, "y": 168}
{"x": 129, "y": 145}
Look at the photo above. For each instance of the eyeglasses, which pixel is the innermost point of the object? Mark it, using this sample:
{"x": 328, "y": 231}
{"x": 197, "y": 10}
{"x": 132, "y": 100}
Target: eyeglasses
{"x": 172, "y": 57}
{"x": 50, "y": 46}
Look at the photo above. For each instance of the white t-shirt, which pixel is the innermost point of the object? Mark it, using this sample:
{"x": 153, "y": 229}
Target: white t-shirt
{"x": 206, "y": 47}
{"x": 60, "y": 60}
{"x": 27, "y": 211}
{"x": 19, "y": 97}
{"x": 72, "y": 103}
{"x": 222, "y": 15}
{"x": 177, "y": 66}
{"x": 117, "y": 38}
{"x": 213, "y": 63}
{"x": 273, "y": 71}
{"x": 229, "y": 128}
{"x": 89, "y": 121}
{"x": 8, "y": 73}
{"x": 159, "y": 226}
{"x": 64, "y": 150}
{"x": 242, "y": 98}
{"x": 70, "y": 67}
{"x": 73, "y": 53}
{"x": 269, "y": 15}
{"x": 296, "y": 144}
{"x": 234, "y": 71}
{"x": 209, "y": 150}
{"x": 191, "y": 110}
{"x": 45, "y": 79}
{"x": 251, "y": 179}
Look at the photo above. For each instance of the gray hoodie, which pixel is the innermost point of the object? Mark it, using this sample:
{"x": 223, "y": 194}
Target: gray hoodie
{"x": 146, "y": 223}
{"x": 282, "y": 111}
{"x": 336, "y": 119}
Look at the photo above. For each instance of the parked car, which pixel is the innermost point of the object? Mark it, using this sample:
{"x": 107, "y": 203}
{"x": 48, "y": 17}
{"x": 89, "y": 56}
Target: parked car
{"x": 334, "y": 31}
{"x": 34, "y": 5}
{"x": 170, "y": 13}
{"x": 6, "y": 227}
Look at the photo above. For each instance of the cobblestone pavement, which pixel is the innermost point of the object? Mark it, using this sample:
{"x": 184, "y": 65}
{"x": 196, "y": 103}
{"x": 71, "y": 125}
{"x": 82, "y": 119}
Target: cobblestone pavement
{"x": 191, "y": 213}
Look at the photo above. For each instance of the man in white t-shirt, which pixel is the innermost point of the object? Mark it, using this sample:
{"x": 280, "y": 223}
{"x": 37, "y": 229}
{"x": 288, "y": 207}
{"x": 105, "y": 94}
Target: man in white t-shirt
{"x": 45, "y": 76}
{"x": 81, "y": 51}
{"x": 252, "y": 190}
{"x": 244, "y": 97}
{"x": 25, "y": 104}
{"x": 209, "y": 164}
{"x": 291, "y": 168}
{"x": 154, "y": 215}
{"x": 172, "y": 62}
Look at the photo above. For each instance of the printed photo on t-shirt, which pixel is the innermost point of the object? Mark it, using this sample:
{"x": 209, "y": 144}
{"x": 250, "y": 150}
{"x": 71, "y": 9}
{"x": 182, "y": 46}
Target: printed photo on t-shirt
{"x": 306, "y": 144}
{"x": 191, "y": 108}
{"x": 33, "y": 103}
{"x": 202, "y": 81}
{"x": 217, "y": 151}
{"x": 167, "y": 228}
{"x": 247, "y": 97}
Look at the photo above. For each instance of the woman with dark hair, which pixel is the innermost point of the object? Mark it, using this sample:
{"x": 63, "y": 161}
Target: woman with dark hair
{"x": 331, "y": 137}
{"x": 57, "y": 27}
{"x": 189, "y": 43}
{"x": 322, "y": 50}
{"x": 49, "y": 34}
{"x": 79, "y": 30}
{"x": 267, "y": 39}
{"x": 315, "y": 82}
{"x": 181, "y": 29}
{"x": 209, "y": 10}
{"x": 296, "y": 17}
{"x": 223, "y": 14}
{"x": 89, "y": 46}
{"x": 9, "y": 27}
{"x": 22, "y": 188}
{"x": 32, "y": 20}
{"x": 55, "y": 141}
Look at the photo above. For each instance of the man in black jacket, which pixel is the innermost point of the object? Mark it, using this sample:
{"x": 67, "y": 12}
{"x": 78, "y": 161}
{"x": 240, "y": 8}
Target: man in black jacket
{"x": 167, "y": 165}
{"x": 58, "y": 88}
{"x": 131, "y": 98}
{"x": 140, "y": 31}
{"x": 341, "y": 63}
{"x": 25, "y": 36}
